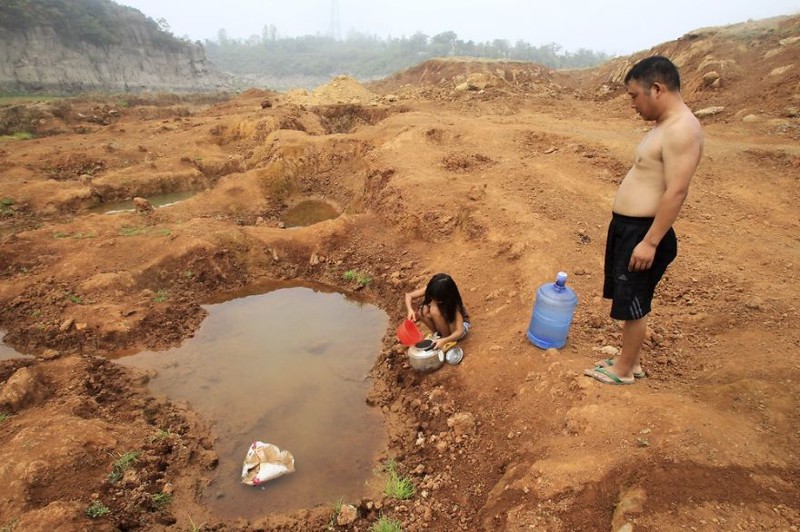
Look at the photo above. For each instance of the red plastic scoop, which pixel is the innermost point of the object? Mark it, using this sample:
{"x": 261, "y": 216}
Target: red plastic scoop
{"x": 408, "y": 333}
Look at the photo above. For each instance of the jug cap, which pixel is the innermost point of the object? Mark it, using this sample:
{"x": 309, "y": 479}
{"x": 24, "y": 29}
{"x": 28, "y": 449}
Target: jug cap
{"x": 561, "y": 278}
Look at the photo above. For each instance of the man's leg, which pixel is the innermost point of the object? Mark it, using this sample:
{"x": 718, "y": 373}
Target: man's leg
{"x": 623, "y": 367}
{"x": 629, "y": 360}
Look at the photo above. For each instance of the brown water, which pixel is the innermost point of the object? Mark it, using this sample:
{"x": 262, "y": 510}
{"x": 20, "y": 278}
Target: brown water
{"x": 309, "y": 212}
{"x": 7, "y": 352}
{"x": 161, "y": 200}
{"x": 287, "y": 367}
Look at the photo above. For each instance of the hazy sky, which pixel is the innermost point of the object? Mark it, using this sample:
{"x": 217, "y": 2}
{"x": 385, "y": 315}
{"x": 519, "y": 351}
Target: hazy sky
{"x": 612, "y": 26}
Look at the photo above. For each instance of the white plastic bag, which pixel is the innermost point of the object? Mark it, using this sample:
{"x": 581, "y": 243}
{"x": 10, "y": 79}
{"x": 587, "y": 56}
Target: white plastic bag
{"x": 264, "y": 462}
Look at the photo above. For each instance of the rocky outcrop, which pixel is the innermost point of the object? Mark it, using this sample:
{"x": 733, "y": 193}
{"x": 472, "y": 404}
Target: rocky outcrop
{"x": 40, "y": 60}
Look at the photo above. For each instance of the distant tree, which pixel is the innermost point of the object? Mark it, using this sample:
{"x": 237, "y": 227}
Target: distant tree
{"x": 369, "y": 56}
{"x": 500, "y": 47}
{"x": 444, "y": 43}
{"x": 163, "y": 25}
{"x": 222, "y": 37}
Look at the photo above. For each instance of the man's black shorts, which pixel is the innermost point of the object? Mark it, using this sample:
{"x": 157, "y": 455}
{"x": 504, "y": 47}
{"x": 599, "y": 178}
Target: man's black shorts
{"x": 632, "y": 292}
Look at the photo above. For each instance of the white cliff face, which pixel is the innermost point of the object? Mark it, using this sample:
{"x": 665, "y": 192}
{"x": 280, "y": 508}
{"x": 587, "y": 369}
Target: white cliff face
{"x": 39, "y": 60}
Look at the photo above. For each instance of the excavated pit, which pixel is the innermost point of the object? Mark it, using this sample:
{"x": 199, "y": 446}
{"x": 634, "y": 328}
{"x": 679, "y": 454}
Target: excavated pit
{"x": 277, "y": 367}
{"x": 501, "y": 187}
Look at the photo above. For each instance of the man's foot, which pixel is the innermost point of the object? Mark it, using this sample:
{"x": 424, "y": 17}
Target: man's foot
{"x": 608, "y": 362}
{"x": 607, "y": 377}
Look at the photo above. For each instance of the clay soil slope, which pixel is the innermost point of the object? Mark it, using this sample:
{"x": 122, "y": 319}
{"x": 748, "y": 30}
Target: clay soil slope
{"x": 501, "y": 175}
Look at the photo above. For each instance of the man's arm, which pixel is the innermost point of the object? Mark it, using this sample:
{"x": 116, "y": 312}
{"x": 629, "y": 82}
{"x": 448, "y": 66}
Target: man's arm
{"x": 681, "y": 154}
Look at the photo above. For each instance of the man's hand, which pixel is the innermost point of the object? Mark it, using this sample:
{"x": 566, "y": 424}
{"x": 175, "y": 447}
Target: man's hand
{"x": 642, "y": 257}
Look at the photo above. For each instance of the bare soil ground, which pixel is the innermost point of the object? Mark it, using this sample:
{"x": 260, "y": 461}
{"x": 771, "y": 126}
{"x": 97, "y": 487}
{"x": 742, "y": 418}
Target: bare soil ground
{"x": 501, "y": 174}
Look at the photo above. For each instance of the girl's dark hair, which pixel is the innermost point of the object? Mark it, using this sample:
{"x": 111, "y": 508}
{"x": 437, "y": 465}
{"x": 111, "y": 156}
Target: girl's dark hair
{"x": 442, "y": 289}
{"x": 655, "y": 68}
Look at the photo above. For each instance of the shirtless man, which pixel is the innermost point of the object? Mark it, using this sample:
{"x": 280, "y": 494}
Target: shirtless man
{"x": 641, "y": 242}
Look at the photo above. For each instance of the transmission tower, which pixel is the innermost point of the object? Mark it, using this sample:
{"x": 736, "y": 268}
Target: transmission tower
{"x": 336, "y": 31}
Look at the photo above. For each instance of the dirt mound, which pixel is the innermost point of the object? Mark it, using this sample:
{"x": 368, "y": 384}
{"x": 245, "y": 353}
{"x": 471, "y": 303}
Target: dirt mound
{"x": 340, "y": 90}
{"x": 456, "y": 79}
{"x": 749, "y": 69}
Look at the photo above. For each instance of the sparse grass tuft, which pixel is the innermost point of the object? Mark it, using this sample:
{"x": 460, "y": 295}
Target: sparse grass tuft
{"x": 385, "y": 524}
{"x": 96, "y": 509}
{"x": 75, "y": 299}
{"x": 161, "y": 500}
{"x": 161, "y": 296}
{"x": 356, "y": 276}
{"x": 337, "y": 509}
{"x": 19, "y": 135}
{"x": 76, "y": 236}
{"x": 193, "y": 527}
{"x": 132, "y": 231}
{"x": 162, "y": 434}
{"x": 397, "y": 486}
{"x": 122, "y": 463}
{"x": 8, "y": 527}
{"x": 4, "y": 416}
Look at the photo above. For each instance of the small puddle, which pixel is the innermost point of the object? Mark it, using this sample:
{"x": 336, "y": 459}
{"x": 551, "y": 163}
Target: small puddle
{"x": 7, "y": 353}
{"x": 161, "y": 200}
{"x": 287, "y": 367}
{"x": 309, "y": 212}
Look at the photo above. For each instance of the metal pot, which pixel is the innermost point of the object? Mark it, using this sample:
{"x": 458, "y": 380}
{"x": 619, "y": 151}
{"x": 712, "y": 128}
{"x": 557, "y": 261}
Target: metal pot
{"x": 423, "y": 357}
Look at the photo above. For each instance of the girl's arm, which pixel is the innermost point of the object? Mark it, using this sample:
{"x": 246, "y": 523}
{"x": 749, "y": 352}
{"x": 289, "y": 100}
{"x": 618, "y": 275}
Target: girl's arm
{"x": 458, "y": 330}
{"x": 410, "y": 296}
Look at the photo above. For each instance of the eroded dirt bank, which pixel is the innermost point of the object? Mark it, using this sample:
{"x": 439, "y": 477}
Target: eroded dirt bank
{"x": 502, "y": 183}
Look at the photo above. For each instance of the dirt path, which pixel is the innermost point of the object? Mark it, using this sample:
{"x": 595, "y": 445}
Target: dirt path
{"x": 500, "y": 188}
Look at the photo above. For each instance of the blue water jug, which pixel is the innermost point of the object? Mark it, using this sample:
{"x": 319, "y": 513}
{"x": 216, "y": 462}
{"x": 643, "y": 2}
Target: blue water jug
{"x": 552, "y": 314}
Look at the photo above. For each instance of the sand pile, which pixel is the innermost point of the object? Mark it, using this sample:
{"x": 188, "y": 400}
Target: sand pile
{"x": 341, "y": 89}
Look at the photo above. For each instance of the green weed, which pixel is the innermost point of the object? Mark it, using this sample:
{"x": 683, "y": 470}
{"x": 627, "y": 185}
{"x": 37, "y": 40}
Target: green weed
{"x": 19, "y": 135}
{"x": 397, "y": 486}
{"x": 164, "y": 232}
{"x": 161, "y": 296}
{"x": 6, "y": 203}
{"x": 193, "y": 527}
{"x": 4, "y": 416}
{"x": 96, "y": 509}
{"x": 337, "y": 509}
{"x": 75, "y": 299}
{"x": 8, "y": 527}
{"x": 384, "y": 524}
{"x": 162, "y": 499}
{"x": 76, "y": 236}
{"x": 162, "y": 434}
{"x": 132, "y": 231}
{"x": 122, "y": 463}
{"x": 36, "y": 313}
{"x": 354, "y": 275}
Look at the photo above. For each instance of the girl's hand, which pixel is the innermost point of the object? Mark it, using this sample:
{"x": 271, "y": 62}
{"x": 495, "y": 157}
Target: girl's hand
{"x": 438, "y": 344}
{"x": 412, "y": 315}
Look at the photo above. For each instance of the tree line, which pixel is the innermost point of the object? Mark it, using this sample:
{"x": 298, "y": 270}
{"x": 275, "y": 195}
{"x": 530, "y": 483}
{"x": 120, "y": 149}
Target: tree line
{"x": 371, "y": 57}
{"x": 99, "y": 22}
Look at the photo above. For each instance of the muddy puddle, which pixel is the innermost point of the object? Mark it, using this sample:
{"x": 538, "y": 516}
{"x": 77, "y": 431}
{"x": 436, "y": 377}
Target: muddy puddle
{"x": 7, "y": 353}
{"x": 309, "y": 212}
{"x": 287, "y": 367}
{"x": 157, "y": 201}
